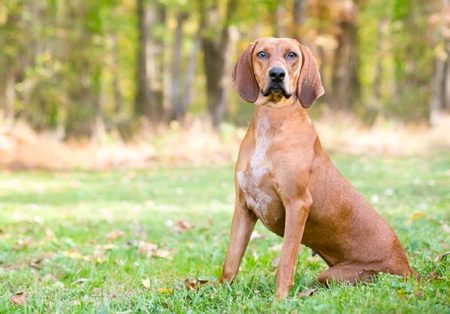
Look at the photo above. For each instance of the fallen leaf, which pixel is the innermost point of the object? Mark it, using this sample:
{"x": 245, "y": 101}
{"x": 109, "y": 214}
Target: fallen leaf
{"x": 164, "y": 290}
{"x": 190, "y": 284}
{"x": 22, "y": 243}
{"x": 307, "y": 293}
{"x": 419, "y": 294}
{"x": 441, "y": 257}
{"x": 434, "y": 275}
{"x": 114, "y": 235}
{"x": 196, "y": 283}
{"x": 75, "y": 255}
{"x": 162, "y": 254}
{"x": 146, "y": 283}
{"x": 147, "y": 248}
{"x": 36, "y": 263}
{"x": 106, "y": 247}
{"x": 80, "y": 281}
{"x": 18, "y": 298}
{"x": 445, "y": 245}
{"x": 205, "y": 279}
{"x": 183, "y": 225}
{"x": 417, "y": 215}
{"x": 152, "y": 250}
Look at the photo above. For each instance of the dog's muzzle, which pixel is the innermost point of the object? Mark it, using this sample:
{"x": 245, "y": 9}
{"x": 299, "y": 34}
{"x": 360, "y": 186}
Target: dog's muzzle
{"x": 276, "y": 85}
{"x": 276, "y": 89}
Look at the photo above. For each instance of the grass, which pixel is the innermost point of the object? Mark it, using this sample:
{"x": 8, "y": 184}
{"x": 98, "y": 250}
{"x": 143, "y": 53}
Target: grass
{"x": 82, "y": 242}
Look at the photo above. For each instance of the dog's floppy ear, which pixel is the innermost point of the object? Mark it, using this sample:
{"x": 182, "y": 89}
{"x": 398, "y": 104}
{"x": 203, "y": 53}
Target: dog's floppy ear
{"x": 243, "y": 77}
{"x": 309, "y": 83}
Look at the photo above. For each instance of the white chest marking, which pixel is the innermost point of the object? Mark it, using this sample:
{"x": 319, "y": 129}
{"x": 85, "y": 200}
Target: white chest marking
{"x": 250, "y": 180}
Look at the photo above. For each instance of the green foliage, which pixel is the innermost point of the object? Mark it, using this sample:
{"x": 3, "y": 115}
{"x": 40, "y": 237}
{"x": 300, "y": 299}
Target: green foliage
{"x": 60, "y": 242}
{"x": 78, "y": 58}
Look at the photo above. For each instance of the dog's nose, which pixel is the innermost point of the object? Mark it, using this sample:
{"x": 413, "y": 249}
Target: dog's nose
{"x": 277, "y": 74}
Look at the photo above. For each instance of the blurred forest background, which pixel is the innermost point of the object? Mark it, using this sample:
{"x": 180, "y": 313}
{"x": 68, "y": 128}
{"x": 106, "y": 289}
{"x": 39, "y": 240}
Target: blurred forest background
{"x": 82, "y": 69}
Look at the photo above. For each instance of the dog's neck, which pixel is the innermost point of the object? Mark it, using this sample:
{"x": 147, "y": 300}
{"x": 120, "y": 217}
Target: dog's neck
{"x": 290, "y": 111}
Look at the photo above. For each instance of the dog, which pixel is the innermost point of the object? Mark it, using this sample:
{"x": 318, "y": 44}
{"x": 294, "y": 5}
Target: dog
{"x": 284, "y": 178}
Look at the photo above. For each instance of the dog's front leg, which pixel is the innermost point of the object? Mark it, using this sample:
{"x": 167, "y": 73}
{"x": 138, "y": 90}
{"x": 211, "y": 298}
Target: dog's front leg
{"x": 241, "y": 229}
{"x": 296, "y": 214}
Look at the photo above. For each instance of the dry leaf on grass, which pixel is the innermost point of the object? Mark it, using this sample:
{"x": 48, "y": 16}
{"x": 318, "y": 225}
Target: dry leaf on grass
{"x": 76, "y": 255}
{"x": 307, "y": 292}
{"x": 146, "y": 283}
{"x": 434, "y": 275}
{"x": 196, "y": 283}
{"x": 162, "y": 254}
{"x": 191, "y": 284}
{"x": 146, "y": 247}
{"x": 22, "y": 244}
{"x": 417, "y": 216}
{"x": 114, "y": 235}
{"x": 152, "y": 250}
{"x": 106, "y": 247}
{"x": 36, "y": 263}
{"x": 206, "y": 278}
{"x": 179, "y": 226}
{"x": 441, "y": 257}
{"x": 80, "y": 281}
{"x": 183, "y": 225}
{"x": 18, "y": 298}
{"x": 164, "y": 290}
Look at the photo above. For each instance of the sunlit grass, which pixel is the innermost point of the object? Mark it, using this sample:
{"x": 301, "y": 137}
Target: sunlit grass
{"x": 60, "y": 241}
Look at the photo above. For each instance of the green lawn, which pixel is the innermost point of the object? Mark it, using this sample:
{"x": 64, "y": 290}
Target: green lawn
{"x": 85, "y": 242}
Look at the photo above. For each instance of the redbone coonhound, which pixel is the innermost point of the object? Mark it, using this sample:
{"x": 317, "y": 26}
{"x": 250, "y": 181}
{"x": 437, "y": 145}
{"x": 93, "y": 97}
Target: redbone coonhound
{"x": 285, "y": 179}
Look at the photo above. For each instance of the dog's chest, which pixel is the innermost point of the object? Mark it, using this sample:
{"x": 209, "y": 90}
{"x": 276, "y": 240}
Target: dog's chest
{"x": 254, "y": 179}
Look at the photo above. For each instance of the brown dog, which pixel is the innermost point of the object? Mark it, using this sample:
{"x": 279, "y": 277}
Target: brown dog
{"x": 285, "y": 179}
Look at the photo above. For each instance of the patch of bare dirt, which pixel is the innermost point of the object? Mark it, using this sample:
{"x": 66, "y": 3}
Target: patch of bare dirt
{"x": 198, "y": 144}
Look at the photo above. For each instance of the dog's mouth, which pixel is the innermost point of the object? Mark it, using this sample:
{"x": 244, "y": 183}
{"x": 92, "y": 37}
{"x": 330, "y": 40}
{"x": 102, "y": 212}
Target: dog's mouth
{"x": 276, "y": 89}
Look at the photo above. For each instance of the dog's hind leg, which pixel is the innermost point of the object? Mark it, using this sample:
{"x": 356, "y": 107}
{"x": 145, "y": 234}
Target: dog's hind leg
{"x": 346, "y": 273}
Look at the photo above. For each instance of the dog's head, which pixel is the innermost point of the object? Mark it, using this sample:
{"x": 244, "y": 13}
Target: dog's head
{"x": 271, "y": 69}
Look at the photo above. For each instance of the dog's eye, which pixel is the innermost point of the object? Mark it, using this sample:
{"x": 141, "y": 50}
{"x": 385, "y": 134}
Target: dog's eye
{"x": 292, "y": 55}
{"x": 261, "y": 54}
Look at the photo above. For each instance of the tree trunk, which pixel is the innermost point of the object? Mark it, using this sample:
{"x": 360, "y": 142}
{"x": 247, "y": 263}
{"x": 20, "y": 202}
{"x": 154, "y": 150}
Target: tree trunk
{"x": 215, "y": 54}
{"x": 280, "y": 20}
{"x": 175, "y": 100}
{"x": 156, "y": 59}
{"x": 345, "y": 81}
{"x": 99, "y": 122}
{"x": 117, "y": 93}
{"x": 376, "y": 88}
{"x": 190, "y": 75}
{"x": 144, "y": 96}
{"x": 298, "y": 17}
{"x": 10, "y": 93}
{"x": 440, "y": 100}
